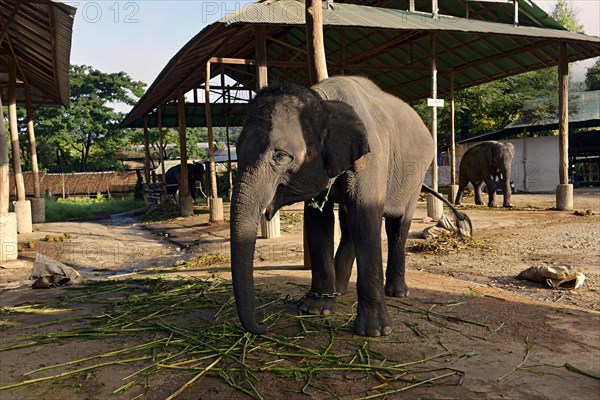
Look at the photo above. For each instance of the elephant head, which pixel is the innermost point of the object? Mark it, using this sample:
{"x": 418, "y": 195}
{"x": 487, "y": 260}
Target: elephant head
{"x": 197, "y": 173}
{"x": 292, "y": 143}
{"x": 500, "y": 156}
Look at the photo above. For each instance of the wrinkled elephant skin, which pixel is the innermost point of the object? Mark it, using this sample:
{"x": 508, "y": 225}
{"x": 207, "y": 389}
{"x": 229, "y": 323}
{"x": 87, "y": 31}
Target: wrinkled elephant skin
{"x": 370, "y": 149}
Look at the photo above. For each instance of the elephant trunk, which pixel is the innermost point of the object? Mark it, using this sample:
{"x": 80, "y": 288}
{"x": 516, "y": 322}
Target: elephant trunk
{"x": 249, "y": 199}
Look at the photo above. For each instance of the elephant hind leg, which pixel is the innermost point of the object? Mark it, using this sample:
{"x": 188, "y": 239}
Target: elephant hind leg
{"x": 397, "y": 229}
{"x": 463, "y": 181}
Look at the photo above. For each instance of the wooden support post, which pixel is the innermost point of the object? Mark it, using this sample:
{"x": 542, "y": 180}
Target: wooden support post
{"x": 185, "y": 201}
{"x": 564, "y": 191}
{"x": 4, "y": 166}
{"x": 317, "y": 62}
{"x": 22, "y": 206}
{"x": 227, "y": 100}
{"x": 453, "y": 190}
{"x": 209, "y": 128}
{"x": 146, "y": 153}
{"x": 38, "y": 203}
{"x": 32, "y": 144}
{"x": 272, "y": 228}
{"x": 434, "y": 206}
{"x": 163, "y": 178}
{"x": 14, "y": 131}
{"x": 214, "y": 201}
{"x": 262, "y": 76}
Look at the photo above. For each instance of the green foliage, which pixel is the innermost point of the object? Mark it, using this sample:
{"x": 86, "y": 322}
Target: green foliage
{"x": 592, "y": 76}
{"x": 566, "y": 15}
{"x": 86, "y": 208}
{"x": 85, "y": 137}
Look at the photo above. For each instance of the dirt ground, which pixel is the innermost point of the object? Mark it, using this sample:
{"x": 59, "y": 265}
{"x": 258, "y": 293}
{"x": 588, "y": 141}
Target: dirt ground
{"x": 469, "y": 329}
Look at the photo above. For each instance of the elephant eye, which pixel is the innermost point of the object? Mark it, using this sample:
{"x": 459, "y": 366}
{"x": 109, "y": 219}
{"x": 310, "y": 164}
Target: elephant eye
{"x": 281, "y": 158}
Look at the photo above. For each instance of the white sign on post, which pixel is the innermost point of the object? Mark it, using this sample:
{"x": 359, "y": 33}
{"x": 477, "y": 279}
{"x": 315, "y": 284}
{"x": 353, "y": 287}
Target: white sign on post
{"x": 435, "y": 103}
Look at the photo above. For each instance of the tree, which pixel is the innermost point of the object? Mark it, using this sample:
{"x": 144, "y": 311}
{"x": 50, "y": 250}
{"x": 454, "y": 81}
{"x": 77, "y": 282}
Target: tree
{"x": 592, "y": 76}
{"x": 566, "y": 15}
{"x": 86, "y": 135}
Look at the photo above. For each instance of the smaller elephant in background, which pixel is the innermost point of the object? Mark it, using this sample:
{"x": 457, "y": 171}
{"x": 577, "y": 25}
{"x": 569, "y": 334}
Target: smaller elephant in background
{"x": 485, "y": 162}
{"x": 196, "y": 173}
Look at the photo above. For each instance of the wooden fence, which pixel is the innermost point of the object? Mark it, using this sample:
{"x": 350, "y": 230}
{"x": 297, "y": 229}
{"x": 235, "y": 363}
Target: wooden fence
{"x": 79, "y": 184}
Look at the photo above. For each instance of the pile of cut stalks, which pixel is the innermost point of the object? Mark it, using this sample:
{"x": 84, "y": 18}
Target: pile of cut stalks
{"x": 188, "y": 329}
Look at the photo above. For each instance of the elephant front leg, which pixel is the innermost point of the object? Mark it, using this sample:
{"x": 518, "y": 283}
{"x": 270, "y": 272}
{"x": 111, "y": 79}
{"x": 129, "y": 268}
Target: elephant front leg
{"x": 478, "y": 193}
{"x": 372, "y": 317}
{"x": 491, "y": 185}
{"x": 319, "y": 234}
{"x": 345, "y": 255}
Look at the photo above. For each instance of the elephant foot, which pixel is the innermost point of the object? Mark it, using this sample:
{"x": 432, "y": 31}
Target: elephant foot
{"x": 397, "y": 290}
{"x": 318, "y": 305}
{"x": 492, "y": 205}
{"x": 507, "y": 205}
{"x": 373, "y": 323}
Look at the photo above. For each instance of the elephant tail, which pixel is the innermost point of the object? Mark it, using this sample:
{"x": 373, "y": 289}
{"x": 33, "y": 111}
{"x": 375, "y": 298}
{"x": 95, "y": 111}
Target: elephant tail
{"x": 462, "y": 220}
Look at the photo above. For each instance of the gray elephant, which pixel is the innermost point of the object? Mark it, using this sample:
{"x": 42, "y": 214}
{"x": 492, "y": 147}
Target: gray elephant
{"x": 343, "y": 141}
{"x": 196, "y": 173}
{"x": 485, "y": 162}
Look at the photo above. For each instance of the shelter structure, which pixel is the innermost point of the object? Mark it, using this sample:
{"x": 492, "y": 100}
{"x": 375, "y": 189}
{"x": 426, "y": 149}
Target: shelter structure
{"x": 414, "y": 49}
{"x": 35, "y": 46}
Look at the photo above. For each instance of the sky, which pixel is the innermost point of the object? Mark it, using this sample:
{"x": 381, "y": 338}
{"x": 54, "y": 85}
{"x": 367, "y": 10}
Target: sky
{"x": 140, "y": 37}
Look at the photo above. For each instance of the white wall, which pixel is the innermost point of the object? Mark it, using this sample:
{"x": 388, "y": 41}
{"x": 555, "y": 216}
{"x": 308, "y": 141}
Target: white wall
{"x": 535, "y": 166}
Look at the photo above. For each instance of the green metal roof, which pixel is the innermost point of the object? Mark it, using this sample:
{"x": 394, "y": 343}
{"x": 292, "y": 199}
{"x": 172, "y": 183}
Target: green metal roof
{"x": 389, "y": 45}
{"x": 195, "y": 116}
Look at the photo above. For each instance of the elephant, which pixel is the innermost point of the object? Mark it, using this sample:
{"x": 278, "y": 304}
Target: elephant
{"x": 485, "y": 162}
{"x": 196, "y": 173}
{"x": 342, "y": 141}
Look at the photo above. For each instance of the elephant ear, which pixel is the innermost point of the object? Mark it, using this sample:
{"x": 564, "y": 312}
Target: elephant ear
{"x": 345, "y": 139}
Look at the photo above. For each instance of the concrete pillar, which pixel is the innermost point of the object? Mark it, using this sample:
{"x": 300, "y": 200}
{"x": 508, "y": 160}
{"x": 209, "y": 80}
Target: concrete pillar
{"x": 452, "y": 192}
{"x": 23, "y": 211}
{"x": 8, "y": 237}
{"x": 215, "y": 205}
{"x": 270, "y": 229}
{"x": 435, "y": 208}
{"x": 38, "y": 210}
{"x": 187, "y": 205}
{"x": 564, "y": 197}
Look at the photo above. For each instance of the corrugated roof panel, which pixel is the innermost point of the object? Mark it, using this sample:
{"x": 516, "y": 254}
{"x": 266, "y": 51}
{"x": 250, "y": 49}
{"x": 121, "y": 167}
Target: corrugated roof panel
{"x": 40, "y": 33}
{"x": 390, "y": 46}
